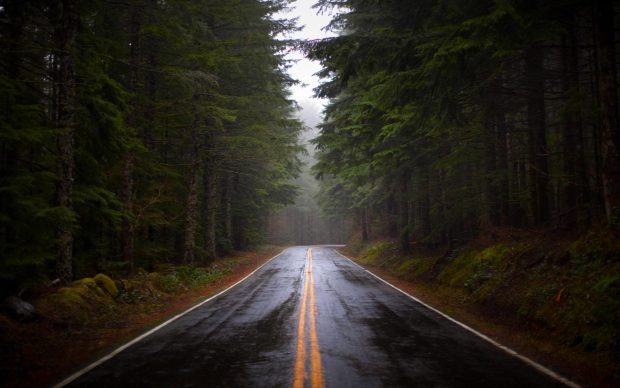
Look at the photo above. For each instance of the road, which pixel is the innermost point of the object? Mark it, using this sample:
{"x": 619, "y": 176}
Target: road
{"x": 312, "y": 318}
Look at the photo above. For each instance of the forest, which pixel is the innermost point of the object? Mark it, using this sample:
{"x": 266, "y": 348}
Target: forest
{"x": 135, "y": 133}
{"x": 451, "y": 119}
{"x": 139, "y": 132}
{"x": 153, "y": 157}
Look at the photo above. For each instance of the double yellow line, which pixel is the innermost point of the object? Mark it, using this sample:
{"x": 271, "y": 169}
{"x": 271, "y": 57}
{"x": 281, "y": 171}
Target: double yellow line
{"x": 316, "y": 376}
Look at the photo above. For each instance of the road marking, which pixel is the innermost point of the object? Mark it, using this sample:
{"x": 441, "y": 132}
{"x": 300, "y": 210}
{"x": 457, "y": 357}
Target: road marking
{"x": 316, "y": 376}
{"x": 118, "y": 350}
{"x": 317, "y": 371}
{"x": 506, "y": 349}
{"x": 300, "y": 360}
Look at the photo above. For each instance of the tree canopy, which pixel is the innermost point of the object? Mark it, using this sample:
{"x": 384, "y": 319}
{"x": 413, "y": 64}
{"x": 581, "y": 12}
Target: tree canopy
{"x": 449, "y": 118}
{"x": 139, "y": 132}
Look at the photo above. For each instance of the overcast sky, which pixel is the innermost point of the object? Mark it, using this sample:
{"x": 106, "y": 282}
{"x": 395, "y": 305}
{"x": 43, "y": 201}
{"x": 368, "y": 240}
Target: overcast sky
{"x": 304, "y": 69}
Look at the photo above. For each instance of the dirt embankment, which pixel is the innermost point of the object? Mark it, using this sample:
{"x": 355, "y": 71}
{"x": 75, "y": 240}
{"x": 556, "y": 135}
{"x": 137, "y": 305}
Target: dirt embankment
{"x": 554, "y": 299}
{"x": 83, "y": 321}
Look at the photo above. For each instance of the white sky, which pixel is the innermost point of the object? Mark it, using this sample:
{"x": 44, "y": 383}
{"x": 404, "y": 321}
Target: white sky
{"x": 304, "y": 69}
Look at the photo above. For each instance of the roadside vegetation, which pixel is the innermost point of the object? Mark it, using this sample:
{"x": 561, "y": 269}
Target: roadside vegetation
{"x": 76, "y": 322}
{"x": 561, "y": 292}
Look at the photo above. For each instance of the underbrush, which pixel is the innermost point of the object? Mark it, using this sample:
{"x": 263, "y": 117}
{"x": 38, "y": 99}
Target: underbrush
{"x": 567, "y": 288}
{"x": 80, "y": 319}
{"x": 99, "y": 298}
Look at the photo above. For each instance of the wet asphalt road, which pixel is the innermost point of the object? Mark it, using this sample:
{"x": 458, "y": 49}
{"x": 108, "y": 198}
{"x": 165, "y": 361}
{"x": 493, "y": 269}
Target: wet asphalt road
{"x": 369, "y": 335}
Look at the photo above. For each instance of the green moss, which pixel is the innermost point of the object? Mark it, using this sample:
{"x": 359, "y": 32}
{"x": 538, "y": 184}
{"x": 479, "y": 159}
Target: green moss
{"x": 479, "y": 272}
{"x": 577, "y": 298}
{"x": 488, "y": 288}
{"x": 77, "y": 303}
{"x": 414, "y": 267}
{"x": 107, "y": 284}
{"x": 375, "y": 252}
{"x": 382, "y": 254}
{"x": 404, "y": 267}
{"x": 459, "y": 270}
{"x": 154, "y": 278}
{"x": 608, "y": 285}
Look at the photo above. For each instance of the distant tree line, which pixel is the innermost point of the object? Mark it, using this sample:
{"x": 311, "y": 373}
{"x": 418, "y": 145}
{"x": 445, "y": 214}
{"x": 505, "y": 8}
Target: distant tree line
{"x": 448, "y": 118}
{"x": 136, "y": 132}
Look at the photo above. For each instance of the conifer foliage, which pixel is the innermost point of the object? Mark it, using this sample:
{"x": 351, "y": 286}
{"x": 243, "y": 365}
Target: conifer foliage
{"x": 448, "y": 118}
{"x": 139, "y": 132}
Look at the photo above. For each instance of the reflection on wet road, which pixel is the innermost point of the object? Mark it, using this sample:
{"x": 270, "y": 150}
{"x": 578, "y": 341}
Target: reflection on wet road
{"x": 313, "y": 318}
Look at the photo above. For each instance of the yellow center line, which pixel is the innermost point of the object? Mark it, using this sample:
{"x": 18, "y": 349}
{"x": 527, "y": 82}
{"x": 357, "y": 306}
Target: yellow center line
{"x": 298, "y": 381}
{"x": 315, "y": 356}
{"x": 317, "y": 371}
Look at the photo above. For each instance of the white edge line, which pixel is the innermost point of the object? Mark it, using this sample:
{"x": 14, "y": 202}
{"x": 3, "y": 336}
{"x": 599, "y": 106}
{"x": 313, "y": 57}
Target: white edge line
{"x": 506, "y": 349}
{"x": 118, "y": 350}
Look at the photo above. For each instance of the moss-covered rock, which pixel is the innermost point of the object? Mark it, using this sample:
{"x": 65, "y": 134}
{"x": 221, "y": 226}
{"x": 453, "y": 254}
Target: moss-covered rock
{"x": 77, "y": 303}
{"x": 107, "y": 284}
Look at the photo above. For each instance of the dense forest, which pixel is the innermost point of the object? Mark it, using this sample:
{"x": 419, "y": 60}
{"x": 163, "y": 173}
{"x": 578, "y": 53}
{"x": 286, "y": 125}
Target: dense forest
{"x": 448, "y": 119}
{"x": 139, "y": 132}
{"x": 304, "y": 222}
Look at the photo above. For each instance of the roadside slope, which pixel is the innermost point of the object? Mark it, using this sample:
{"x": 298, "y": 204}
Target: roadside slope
{"x": 69, "y": 335}
{"x": 553, "y": 300}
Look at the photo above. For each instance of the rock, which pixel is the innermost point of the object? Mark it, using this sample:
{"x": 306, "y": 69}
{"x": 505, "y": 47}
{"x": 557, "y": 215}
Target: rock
{"x": 19, "y": 308}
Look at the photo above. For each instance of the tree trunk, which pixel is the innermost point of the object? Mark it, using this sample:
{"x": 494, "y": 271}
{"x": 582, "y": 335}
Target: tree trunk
{"x": 65, "y": 35}
{"x": 502, "y": 166}
{"x": 424, "y": 206}
{"x": 403, "y": 212}
{"x": 364, "y": 224}
{"x": 211, "y": 180}
{"x": 127, "y": 229}
{"x": 191, "y": 212}
{"x": 211, "y": 204}
{"x": 610, "y": 130}
{"x": 127, "y": 192}
{"x": 491, "y": 205}
{"x": 537, "y": 136}
{"x": 228, "y": 190}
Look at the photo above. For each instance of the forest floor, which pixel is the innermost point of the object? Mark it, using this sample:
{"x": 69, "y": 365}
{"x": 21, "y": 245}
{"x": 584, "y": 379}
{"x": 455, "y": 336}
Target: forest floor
{"x": 546, "y": 299}
{"x": 43, "y": 351}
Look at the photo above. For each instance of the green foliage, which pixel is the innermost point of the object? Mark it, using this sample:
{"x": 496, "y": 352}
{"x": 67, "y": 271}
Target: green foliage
{"x": 576, "y": 300}
{"x": 427, "y": 127}
{"x": 153, "y": 83}
{"x": 480, "y": 273}
{"x": 177, "y": 278}
{"x": 380, "y": 253}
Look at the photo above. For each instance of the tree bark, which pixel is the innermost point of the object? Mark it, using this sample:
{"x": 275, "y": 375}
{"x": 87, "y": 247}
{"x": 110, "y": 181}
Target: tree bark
{"x": 211, "y": 180}
{"x": 610, "y": 130}
{"x": 364, "y": 224}
{"x": 228, "y": 190}
{"x": 127, "y": 191}
{"x": 191, "y": 213}
{"x": 65, "y": 35}
{"x": 491, "y": 205}
{"x": 403, "y": 212}
{"x": 537, "y": 136}
{"x": 502, "y": 166}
